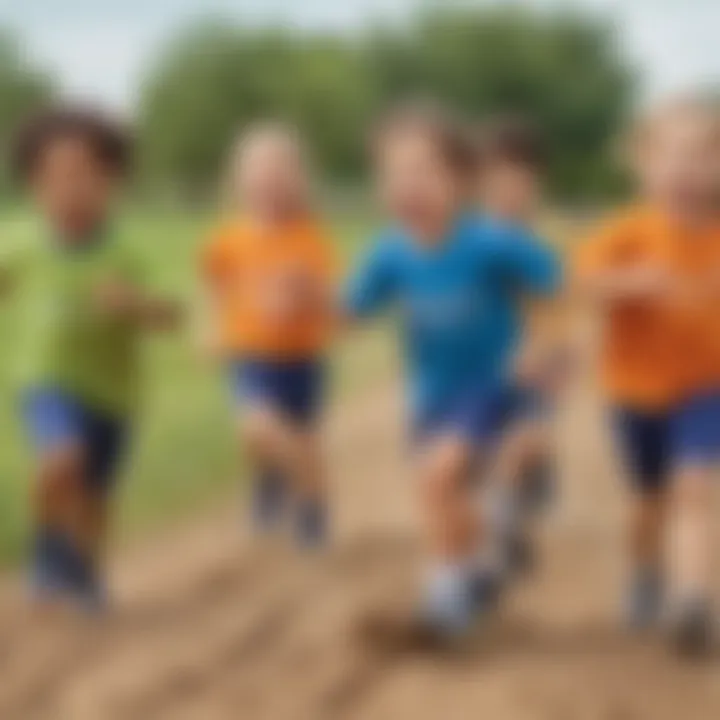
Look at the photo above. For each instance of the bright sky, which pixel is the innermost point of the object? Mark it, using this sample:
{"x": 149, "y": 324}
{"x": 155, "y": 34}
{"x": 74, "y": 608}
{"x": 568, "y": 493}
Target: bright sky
{"x": 99, "y": 46}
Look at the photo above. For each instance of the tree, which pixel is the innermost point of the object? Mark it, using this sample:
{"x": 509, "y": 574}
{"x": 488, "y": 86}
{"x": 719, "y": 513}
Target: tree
{"x": 562, "y": 69}
{"x": 215, "y": 79}
{"x": 23, "y": 89}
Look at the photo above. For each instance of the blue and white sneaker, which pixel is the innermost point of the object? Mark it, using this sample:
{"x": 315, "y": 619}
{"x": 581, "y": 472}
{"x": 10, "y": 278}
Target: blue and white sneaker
{"x": 451, "y": 612}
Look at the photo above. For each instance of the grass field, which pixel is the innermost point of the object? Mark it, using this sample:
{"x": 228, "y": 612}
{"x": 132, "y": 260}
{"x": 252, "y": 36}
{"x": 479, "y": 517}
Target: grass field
{"x": 184, "y": 455}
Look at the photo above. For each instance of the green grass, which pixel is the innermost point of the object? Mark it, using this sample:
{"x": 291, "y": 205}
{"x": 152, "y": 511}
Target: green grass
{"x": 184, "y": 456}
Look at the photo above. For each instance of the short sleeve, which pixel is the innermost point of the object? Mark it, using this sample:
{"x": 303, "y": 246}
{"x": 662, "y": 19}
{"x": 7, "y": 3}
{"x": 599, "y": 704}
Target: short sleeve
{"x": 613, "y": 245}
{"x": 215, "y": 257}
{"x": 373, "y": 288}
{"x": 530, "y": 264}
{"x": 326, "y": 257}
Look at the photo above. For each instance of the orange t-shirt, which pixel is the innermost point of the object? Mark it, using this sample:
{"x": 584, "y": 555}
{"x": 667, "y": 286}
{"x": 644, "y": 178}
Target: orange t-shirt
{"x": 657, "y": 351}
{"x": 271, "y": 288}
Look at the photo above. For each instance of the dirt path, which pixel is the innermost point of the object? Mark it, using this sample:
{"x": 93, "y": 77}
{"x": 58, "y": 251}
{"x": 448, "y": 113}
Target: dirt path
{"x": 214, "y": 626}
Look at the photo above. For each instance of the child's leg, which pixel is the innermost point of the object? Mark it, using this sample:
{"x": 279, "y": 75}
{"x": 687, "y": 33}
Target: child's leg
{"x": 530, "y": 452}
{"x": 55, "y": 427}
{"x": 523, "y": 457}
{"x": 537, "y": 466}
{"x": 697, "y": 451}
{"x": 274, "y": 441}
{"x": 451, "y": 521}
{"x": 57, "y": 502}
{"x": 691, "y": 514}
{"x": 254, "y": 388}
{"x": 268, "y": 497}
{"x": 312, "y": 515}
{"x": 452, "y": 532}
{"x": 644, "y": 440}
{"x": 284, "y": 399}
{"x": 690, "y": 560}
{"x": 106, "y": 443}
{"x": 268, "y": 492}
{"x": 299, "y": 396}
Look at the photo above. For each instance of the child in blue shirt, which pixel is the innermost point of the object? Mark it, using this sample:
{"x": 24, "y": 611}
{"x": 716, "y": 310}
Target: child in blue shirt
{"x": 456, "y": 281}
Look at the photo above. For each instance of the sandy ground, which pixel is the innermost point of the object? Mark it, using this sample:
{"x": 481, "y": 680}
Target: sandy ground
{"x": 212, "y": 624}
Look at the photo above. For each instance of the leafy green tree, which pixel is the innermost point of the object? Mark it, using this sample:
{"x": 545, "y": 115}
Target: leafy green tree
{"x": 23, "y": 88}
{"x": 562, "y": 69}
{"x": 215, "y": 79}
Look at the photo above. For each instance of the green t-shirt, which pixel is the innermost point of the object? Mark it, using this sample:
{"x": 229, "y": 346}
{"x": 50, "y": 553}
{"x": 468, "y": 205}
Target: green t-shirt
{"x": 66, "y": 339}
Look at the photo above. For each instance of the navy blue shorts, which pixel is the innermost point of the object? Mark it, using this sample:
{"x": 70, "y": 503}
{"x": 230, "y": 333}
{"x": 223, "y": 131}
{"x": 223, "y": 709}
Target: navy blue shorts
{"x": 479, "y": 416}
{"x": 646, "y": 444}
{"x": 696, "y": 430}
{"x": 655, "y": 444}
{"x": 55, "y": 417}
{"x": 294, "y": 388}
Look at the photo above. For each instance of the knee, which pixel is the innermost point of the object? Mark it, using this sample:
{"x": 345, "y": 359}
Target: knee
{"x": 692, "y": 489}
{"x": 649, "y": 508}
{"x": 60, "y": 475}
{"x": 444, "y": 474}
{"x": 261, "y": 434}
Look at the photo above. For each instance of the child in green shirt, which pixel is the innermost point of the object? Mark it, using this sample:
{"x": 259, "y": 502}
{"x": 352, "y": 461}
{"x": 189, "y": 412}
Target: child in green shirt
{"x": 85, "y": 303}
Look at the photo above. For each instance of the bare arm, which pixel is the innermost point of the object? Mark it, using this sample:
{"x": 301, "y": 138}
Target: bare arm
{"x": 143, "y": 309}
{"x": 623, "y": 284}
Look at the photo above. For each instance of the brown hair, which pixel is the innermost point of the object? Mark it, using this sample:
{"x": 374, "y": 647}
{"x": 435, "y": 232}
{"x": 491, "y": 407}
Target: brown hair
{"x": 106, "y": 138}
{"x": 514, "y": 139}
{"x": 443, "y": 127}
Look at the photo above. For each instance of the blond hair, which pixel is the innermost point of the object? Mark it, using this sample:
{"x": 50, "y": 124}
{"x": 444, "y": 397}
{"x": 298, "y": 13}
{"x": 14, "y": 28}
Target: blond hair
{"x": 676, "y": 107}
{"x": 259, "y": 131}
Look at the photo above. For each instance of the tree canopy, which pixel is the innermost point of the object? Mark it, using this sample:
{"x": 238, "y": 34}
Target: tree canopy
{"x": 561, "y": 68}
{"x": 23, "y": 89}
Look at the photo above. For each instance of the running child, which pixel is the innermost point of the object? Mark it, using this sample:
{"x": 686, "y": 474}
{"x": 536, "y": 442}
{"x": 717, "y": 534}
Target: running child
{"x": 457, "y": 282}
{"x": 654, "y": 272}
{"x": 269, "y": 271}
{"x": 510, "y": 191}
{"x": 86, "y": 304}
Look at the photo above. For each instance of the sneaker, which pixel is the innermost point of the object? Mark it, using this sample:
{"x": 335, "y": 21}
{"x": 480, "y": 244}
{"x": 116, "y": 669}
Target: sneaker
{"x": 486, "y": 589}
{"x": 454, "y": 601}
{"x": 50, "y": 572}
{"x": 311, "y": 524}
{"x": 539, "y": 487}
{"x": 520, "y": 556}
{"x": 644, "y": 603}
{"x": 85, "y": 584}
{"x": 694, "y": 631}
{"x": 268, "y": 501}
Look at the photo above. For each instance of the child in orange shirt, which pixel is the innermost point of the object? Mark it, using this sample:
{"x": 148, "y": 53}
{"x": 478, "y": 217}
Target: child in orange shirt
{"x": 269, "y": 277}
{"x": 655, "y": 271}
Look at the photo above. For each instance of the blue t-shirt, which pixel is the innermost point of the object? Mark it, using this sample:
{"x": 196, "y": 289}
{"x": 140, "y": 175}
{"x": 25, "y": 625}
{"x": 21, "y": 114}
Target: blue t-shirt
{"x": 460, "y": 303}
